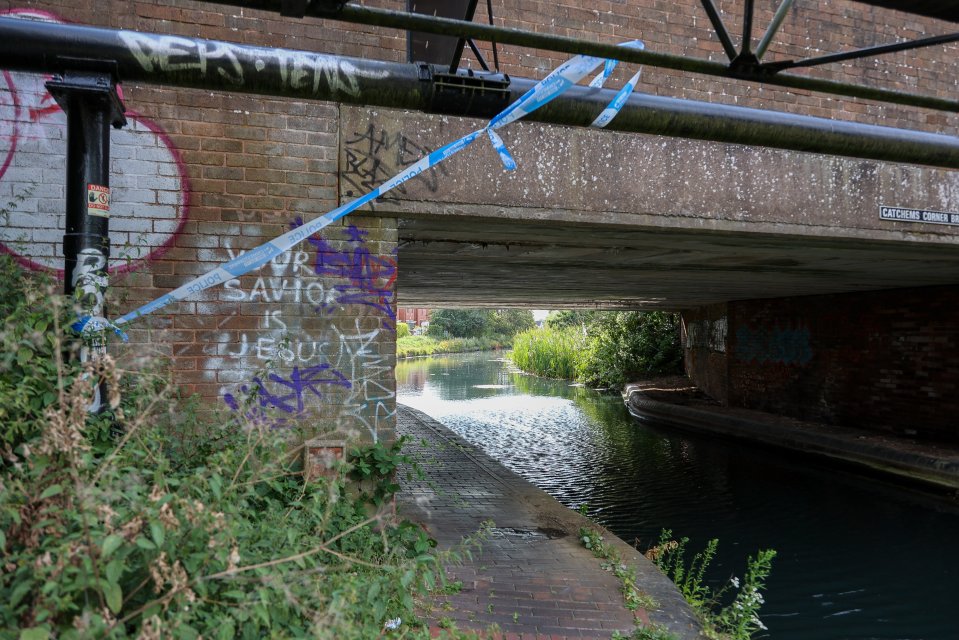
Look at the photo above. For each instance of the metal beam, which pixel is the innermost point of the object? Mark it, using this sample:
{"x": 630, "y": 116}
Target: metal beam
{"x": 864, "y": 53}
{"x": 504, "y": 35}
{"x": 773, "y": 28}
{"x": 721, "y": 32}
{"x": 192, "y": 62}
{"x": 747, "y": 43}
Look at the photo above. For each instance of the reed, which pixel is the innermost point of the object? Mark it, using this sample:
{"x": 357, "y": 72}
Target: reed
{"x": 553, "y": 353}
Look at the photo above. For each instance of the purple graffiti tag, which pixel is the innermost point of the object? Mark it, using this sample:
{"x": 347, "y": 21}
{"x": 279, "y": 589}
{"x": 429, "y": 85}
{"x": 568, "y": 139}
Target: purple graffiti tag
{"x": 288, "y": 394}
{"x": 369, "y": 279}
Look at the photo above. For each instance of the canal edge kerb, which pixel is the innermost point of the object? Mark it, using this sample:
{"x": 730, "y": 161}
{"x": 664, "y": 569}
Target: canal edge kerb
{"x": 836, "y": 443}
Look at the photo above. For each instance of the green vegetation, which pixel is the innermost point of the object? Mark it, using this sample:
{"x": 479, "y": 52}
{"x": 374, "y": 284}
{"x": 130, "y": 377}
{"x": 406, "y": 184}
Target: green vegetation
{"x": 461, "y": 330}
{"x": 601, "y": 349}
{"x": 413, "y": 346}
{"x": 553, "y": 353}
{"x": 478, "y": 323}
{"x": 613, "y": 562}
{"x": 739, "y": 619}
{"x": 144, "y": 523}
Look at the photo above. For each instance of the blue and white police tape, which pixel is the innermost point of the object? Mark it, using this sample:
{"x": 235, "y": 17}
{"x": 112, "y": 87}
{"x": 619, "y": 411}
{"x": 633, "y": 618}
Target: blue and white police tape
{"x": 95, "y": 325}
{"x": 547, "y": 89}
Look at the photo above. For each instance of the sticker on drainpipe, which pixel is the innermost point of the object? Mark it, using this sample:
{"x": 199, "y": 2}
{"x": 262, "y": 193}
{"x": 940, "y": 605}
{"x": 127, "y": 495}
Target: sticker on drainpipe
{"x": 98, "y": 201}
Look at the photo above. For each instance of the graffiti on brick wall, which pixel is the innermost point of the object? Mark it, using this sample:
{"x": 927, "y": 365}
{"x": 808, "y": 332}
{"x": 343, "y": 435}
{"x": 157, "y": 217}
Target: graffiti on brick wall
{"x": 149, "y": 185}
{"x": 779, "y": 345}
{"x": 289, "y": 280}
{"x": 333, "y": 273}
{"x": 369, "y": 405}
{"x": 707, "y": 334}
{"x": 372, "y": 157}
{"x": 299, "y": 70}
{"x": 286, "y": 395}
{"x": 364, "y": 278}
{"x": 349, "y": 362}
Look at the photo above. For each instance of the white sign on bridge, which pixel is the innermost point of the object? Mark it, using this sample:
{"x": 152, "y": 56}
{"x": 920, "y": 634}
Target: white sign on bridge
{"x": 918, "y": 215}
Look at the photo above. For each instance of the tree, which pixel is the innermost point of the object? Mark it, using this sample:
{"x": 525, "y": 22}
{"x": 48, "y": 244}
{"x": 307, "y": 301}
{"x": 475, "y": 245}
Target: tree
{"x": 458, "y": 323}
{"x": 509, "y": 322}
{"x": 569, "y": 318}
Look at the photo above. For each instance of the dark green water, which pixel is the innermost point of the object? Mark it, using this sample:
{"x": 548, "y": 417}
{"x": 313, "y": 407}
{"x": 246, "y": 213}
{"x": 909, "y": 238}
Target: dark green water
{"x": 857, "y": 558}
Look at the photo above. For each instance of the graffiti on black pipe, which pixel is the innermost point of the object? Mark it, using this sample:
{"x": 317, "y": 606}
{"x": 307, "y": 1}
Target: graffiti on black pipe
{"x": 89, "y": 284}
{"x": 233, "y": 64}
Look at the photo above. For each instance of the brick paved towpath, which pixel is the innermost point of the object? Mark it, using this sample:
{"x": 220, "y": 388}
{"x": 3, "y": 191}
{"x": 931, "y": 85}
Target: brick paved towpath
{"x": 532, "y": 577}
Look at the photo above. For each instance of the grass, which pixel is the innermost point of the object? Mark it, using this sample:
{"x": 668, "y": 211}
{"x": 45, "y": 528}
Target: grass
{"x": 414, "y": 346}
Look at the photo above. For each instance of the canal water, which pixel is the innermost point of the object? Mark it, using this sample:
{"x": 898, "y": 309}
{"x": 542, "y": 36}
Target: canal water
{"x": 857, "y": 558}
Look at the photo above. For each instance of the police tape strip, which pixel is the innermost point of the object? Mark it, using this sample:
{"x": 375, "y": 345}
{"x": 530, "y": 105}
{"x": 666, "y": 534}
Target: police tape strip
{"x": 550, "y": 87}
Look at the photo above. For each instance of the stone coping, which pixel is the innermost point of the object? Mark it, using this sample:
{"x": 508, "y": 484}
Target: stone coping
{"x": 675, "y": 402}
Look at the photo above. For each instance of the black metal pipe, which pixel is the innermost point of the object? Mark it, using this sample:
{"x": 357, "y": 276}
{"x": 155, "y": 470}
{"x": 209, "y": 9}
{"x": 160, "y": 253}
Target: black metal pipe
{"x": 191, "y": 62}
{"x": 90, "y": 102}
{"x": 505, "y": 35}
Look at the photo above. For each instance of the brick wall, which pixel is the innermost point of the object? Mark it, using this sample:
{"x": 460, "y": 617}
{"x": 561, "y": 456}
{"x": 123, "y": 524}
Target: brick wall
{"x": 200, "y": 176}
{"x": 884, "y": 361}
{"x": 705, "y": 358}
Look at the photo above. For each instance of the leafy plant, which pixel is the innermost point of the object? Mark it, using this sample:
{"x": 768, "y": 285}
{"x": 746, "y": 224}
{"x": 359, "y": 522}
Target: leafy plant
{"x": 601, "y": 349}
{"x": 176, "y": 527}
{"x": 613, "y": 562}
{"x": 739, "y": 619}
{"x": 626, "y": 345}
{"x": 374, "y": 467}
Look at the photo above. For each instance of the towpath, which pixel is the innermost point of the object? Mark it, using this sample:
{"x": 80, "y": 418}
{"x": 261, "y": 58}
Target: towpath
{"x": 532, "y": 578}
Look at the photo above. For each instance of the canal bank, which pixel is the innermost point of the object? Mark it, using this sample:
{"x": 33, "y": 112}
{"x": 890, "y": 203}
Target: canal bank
{"x": 532, "y": 577}
{"x": 673, "y": 401}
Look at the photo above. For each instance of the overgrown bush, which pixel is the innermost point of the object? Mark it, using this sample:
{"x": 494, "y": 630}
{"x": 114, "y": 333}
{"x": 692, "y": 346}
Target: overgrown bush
{"x": 602, "y": 349}
{"x": 730, "y": 612}
{"x": 626, "y": 345}
{"x": 108, "y": 529}
{"x": 402, "y": 330}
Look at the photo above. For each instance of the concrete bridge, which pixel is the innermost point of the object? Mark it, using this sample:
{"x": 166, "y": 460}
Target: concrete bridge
{"x": 817, "y": 286}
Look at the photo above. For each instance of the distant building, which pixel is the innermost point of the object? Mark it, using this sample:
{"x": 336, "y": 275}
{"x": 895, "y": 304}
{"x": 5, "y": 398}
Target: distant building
{"x": 416, "y": 317}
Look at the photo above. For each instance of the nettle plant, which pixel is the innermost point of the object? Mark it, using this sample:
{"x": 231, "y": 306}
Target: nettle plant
{"x": 143, "y": 522}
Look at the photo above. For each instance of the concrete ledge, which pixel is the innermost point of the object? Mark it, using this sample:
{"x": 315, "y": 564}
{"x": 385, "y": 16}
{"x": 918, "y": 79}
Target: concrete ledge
{"x": 906, "y": 459}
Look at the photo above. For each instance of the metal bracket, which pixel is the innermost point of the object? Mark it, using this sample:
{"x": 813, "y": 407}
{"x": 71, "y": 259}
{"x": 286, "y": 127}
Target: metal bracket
{"x": 94, "y": 78}
{"x": 469, "y": 92}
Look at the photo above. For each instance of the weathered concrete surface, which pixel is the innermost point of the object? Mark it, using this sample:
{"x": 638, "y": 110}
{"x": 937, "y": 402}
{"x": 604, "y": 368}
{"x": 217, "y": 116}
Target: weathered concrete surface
{"x": 594, "y": 218}
{"x": 533, "y": 577}
{"x": 673, "y": 401}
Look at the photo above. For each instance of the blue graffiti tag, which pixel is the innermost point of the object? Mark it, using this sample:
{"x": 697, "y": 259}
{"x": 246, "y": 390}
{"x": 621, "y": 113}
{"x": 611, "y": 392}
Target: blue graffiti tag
{"x": 783, "y": 345}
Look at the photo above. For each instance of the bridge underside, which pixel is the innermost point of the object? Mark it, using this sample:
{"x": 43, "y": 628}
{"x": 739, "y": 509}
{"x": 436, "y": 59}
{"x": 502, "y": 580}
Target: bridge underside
{"x": 482, "y": 262}
{"x": 610, "y": 220}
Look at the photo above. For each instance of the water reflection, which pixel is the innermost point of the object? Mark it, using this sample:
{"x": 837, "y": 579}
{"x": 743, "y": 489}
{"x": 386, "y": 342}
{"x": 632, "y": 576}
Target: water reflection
{"x": 856, "y": 559}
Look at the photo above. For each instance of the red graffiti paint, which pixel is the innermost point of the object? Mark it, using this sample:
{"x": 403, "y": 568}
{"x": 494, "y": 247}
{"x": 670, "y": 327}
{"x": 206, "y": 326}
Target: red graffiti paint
{"x": 32, "y": 137}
